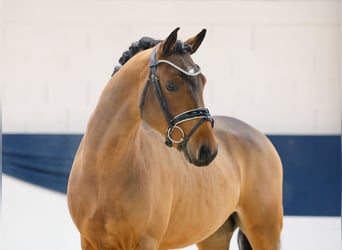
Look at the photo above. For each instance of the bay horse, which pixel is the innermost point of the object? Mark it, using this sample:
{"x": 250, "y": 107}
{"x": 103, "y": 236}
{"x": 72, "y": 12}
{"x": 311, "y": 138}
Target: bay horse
{"x": 128, "y": 190}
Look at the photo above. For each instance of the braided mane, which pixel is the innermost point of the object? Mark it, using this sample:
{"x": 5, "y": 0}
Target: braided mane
{"x": 144, "y": 44}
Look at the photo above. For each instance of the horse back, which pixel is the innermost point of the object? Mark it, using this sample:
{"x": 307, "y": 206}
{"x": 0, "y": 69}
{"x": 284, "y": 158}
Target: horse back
{"x": 242, "y": 139}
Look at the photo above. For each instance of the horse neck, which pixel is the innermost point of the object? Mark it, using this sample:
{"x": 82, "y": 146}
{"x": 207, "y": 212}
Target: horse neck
{"x": 117, "y": 114}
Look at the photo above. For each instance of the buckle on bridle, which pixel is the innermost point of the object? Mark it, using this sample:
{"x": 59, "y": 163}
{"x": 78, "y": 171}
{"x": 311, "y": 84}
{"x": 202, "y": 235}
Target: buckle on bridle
{"x": 170, "y": 131}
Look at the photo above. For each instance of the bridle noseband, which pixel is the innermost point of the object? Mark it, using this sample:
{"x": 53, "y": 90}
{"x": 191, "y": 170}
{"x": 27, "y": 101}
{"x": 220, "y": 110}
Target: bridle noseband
{"x": 173, "y": 122}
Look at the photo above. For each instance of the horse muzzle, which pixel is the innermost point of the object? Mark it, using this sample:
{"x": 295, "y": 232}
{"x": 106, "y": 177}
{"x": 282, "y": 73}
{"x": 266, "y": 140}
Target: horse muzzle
{"x": 202, "y": 157}
{"x": 200, "y": 151}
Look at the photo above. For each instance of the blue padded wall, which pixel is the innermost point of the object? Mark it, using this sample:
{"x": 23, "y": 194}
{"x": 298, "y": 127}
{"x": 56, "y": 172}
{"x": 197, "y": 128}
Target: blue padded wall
{"x": 312, "y": 171}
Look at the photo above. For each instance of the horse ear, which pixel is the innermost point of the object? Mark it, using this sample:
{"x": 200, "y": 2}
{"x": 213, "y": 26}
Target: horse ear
{"x": 196, "y": 41}
{"x": 168, "y": 44}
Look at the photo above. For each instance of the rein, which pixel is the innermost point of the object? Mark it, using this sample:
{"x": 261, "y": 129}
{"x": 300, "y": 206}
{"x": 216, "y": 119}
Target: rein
{"x": 173, "y": 122}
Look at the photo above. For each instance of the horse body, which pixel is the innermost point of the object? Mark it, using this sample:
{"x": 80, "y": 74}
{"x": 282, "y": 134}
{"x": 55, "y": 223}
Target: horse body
{"x": 127, "y": 190}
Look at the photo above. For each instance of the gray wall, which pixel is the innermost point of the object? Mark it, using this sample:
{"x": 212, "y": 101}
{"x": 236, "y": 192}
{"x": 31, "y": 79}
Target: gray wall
{"x": 273, "y": 64}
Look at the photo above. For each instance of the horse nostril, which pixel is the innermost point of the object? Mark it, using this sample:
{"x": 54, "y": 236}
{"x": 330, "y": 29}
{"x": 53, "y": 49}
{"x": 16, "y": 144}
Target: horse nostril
{"x": 204, "y": 153}
{"x": 204, "y": 157}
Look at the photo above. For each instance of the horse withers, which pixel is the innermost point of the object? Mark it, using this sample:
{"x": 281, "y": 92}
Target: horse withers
{"x": 155, "y": 170}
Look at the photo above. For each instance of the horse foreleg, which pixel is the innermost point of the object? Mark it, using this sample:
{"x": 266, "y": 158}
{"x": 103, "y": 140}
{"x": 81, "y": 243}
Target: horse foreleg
{"x": 243, "y": 242}
{"x": 220, "y": 240}
{"x": 261, "y": 232}
{"x": 260, "y": 240}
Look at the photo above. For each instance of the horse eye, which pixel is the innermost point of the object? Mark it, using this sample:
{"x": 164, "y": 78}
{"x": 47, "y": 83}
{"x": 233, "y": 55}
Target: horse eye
{"x": 172, "y": 87}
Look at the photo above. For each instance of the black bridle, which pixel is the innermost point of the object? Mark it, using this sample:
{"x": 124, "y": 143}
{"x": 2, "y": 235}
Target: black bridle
{"x": 199, "y": 113}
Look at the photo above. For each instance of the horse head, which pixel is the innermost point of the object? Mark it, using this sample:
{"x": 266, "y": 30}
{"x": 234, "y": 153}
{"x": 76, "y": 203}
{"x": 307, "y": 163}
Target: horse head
{"x": 172, "y": 99}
